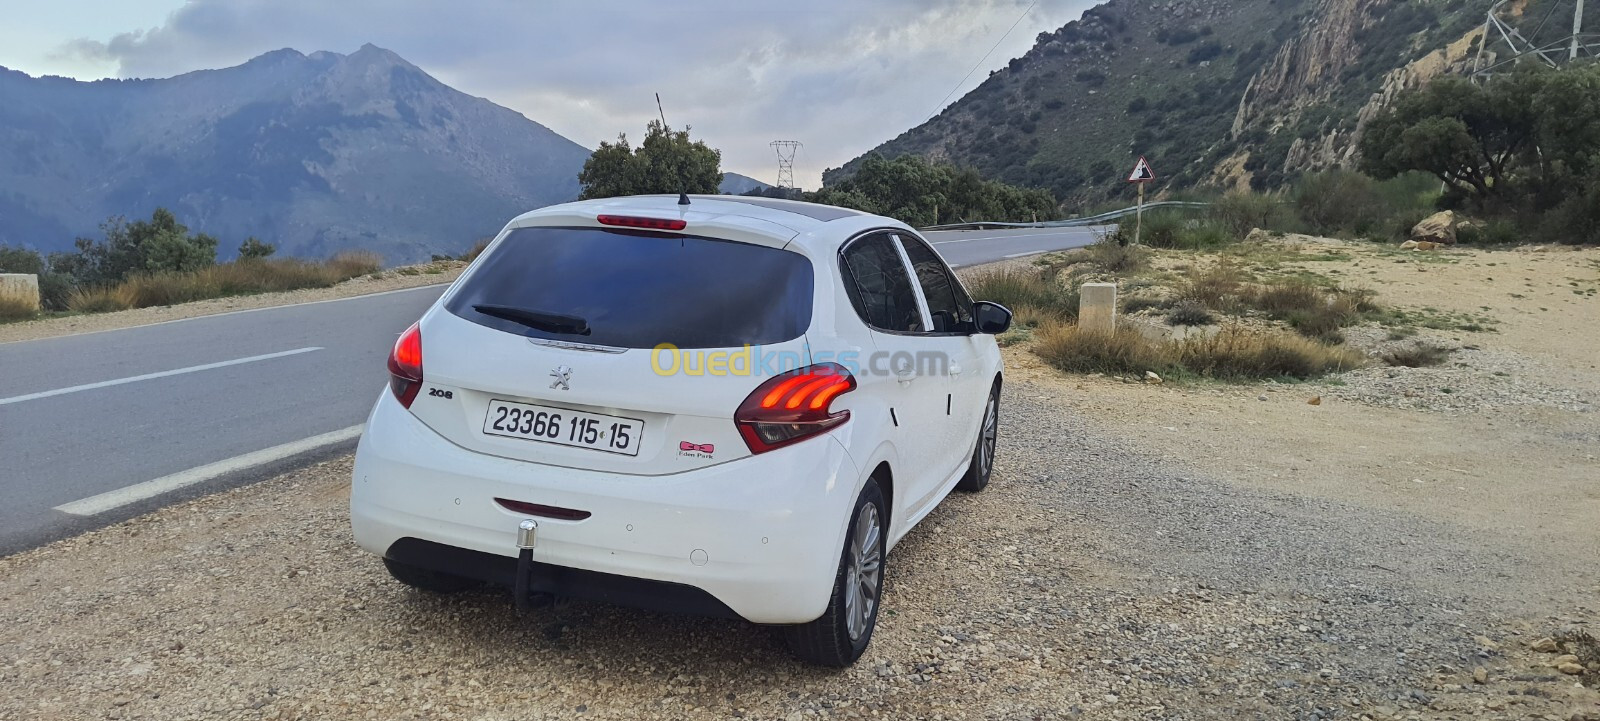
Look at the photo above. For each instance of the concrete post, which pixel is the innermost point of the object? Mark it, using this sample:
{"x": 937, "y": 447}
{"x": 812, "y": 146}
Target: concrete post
{"x": 20, "y": 287}
{"x": 1097, "y": 307}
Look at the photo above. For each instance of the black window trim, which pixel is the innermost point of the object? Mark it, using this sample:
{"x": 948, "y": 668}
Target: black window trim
{"x": 948, "y": 272}
{"x": 916, "y": 287}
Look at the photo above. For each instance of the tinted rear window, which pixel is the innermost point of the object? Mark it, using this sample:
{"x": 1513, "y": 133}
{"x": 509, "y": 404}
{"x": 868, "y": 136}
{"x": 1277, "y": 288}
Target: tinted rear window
{"x": 639, "y": 289}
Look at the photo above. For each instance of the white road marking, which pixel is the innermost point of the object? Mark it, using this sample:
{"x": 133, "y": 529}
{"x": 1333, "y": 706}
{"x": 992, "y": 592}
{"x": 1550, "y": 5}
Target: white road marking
{"x": 1024, "y": 255}
{"x": 110, "y": 500}
{"x": 234, "y": 312}
{"x": 150, "y": 376}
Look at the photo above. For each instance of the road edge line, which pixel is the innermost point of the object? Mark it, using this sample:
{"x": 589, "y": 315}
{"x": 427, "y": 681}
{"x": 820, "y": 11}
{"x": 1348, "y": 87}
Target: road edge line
{"x": 112, "y": 500}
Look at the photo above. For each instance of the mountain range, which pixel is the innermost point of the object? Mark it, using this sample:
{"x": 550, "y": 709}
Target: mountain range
{"x": 1232, "y": 93}
{"x": 315, "y": 153}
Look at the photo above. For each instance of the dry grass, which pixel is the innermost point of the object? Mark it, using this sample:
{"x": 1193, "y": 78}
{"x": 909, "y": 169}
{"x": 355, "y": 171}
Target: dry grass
{"x": 1422, "y": 355}
{"x": 477, "y": 250}
{"x": 1112, "y": 256}
{"x": 12, "y": 309}
{"x": 1034, "y": 295}
{"x": 241, "y": 277}
{"x": 1235, "y": 353}
{"x": 1220, "y": 287}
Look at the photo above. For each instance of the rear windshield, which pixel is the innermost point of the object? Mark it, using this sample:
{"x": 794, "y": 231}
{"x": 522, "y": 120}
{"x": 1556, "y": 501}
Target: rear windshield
{"x": 638, "y": 289}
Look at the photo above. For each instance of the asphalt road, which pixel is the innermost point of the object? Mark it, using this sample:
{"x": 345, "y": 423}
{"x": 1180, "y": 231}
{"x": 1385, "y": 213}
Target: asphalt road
{"x": 100, "y": 427}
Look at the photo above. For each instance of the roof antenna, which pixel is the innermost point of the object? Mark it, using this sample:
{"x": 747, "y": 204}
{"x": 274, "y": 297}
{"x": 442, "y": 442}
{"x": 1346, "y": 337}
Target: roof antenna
{"x": 683, "y": 198}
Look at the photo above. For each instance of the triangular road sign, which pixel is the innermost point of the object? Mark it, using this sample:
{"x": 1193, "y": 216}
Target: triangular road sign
{"x": 1142, "y": 173}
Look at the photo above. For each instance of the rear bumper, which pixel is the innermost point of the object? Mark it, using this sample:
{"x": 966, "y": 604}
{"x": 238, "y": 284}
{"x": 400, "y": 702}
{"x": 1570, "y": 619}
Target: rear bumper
{"x": 760, "y": 536}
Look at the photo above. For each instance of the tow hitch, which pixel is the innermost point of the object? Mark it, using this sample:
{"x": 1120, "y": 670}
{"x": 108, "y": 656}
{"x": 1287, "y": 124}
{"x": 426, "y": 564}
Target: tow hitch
{"x": 527, "y": 538}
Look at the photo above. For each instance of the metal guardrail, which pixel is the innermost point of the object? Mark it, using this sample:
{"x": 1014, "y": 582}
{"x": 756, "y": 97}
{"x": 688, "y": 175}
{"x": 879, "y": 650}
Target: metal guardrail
{"x": 1101, "y": 219}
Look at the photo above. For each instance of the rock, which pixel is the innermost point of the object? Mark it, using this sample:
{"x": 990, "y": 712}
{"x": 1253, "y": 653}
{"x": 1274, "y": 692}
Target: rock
{"x": 1485, "y": 642}
{"x": 1151, "y": 378}
{"x": 1545, "y": 645}
{"x": 1480, "y": 675}
{"x": 1409, "y": 245}
{"x": 1261, "y": 398}
{"x": 1566, "y": 658}
{"x": 1427, "y": 245}
{"x": 1570, "y": 669}
{"x": 1315, "y": 401}
{"x": 1438, "y": 228}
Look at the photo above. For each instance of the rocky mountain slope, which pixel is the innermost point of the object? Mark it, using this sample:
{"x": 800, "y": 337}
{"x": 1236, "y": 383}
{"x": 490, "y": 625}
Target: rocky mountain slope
{"x": 1231, "y": 92}
{"x": 314, "y": 152}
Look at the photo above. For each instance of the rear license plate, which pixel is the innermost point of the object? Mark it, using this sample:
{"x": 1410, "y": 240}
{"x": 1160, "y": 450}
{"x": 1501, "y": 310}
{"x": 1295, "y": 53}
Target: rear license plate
{"x": 564, "y": 426}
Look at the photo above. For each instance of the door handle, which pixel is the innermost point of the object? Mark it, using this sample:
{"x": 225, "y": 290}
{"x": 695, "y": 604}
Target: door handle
{"x": 905, "y": 377}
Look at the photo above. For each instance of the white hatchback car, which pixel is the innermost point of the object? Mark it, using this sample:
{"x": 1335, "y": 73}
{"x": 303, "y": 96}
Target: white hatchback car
{"x": 720, "y": 405}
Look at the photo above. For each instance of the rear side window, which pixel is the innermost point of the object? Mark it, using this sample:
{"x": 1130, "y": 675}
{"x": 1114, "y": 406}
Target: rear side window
{"x": 947, "y": 302}
{"x": 881, "y": 290}
{"x": 638, "y": 289}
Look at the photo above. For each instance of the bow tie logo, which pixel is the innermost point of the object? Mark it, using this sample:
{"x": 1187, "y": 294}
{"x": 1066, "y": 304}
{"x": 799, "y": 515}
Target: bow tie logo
{"x": 688, "y": 447}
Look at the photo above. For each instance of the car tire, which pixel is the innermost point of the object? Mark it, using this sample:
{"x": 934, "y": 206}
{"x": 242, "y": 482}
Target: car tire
{"x": 841, "y": 634}
{"x": 431, "y": 581}
{"x": 982, "y": 464}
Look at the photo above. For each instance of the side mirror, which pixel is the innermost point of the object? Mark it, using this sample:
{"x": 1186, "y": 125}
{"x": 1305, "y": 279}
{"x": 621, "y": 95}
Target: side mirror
{"x": 991, "y": 318}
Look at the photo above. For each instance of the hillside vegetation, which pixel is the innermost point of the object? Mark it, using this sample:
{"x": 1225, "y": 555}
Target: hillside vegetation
{"x": 1235, "y": 93}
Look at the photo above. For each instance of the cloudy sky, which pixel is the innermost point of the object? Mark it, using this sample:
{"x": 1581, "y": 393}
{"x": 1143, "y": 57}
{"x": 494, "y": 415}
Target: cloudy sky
{"x": 840, "y": 76}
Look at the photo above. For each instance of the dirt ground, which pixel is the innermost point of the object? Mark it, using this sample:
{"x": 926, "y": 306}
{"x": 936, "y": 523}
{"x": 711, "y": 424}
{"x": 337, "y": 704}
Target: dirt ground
{"x": 1505, "y": 436}
{"x": 388, "y": 280}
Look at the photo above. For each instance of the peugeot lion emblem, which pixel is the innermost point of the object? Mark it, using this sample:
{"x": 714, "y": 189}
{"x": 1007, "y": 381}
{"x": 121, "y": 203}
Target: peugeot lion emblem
{"x": 563, "y": 376}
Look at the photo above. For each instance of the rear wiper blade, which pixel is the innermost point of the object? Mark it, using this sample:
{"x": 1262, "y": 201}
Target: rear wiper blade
{"x": 538, "y": 320}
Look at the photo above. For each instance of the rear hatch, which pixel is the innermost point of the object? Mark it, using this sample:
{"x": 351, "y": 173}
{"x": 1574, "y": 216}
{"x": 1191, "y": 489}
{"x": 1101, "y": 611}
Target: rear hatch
{"x": 610, "y": 349}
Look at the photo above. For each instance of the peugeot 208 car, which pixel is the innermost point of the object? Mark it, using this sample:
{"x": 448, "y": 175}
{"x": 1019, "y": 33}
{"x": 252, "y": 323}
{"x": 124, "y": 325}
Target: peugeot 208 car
{"x": 717, "y": 405}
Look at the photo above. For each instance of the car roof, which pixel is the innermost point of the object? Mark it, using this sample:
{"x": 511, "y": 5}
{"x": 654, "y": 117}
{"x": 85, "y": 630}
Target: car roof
{"x": 803, "y": 220}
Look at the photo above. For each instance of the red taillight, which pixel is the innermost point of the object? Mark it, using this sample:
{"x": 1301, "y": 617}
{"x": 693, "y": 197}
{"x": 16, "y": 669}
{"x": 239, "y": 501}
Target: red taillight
{"x": 628, "y": 221}
{"x": 405, "y": 366}
{"x": 793, "y": 407}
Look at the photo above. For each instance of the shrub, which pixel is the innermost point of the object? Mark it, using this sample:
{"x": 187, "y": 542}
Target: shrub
{"x": 20, "y": 260}
{"x": 1422, "y": 355}
{"x": 14, "y": 309}
{"x": 1494, "y": 232}
{"x": 1136, "y": 303}
{"x": 55, "y": 289}
{"x": 1241, "y": 212}
{"x": 1312, "y": 311}
{"x": 253, "y": 247}
{"x": 1190, "y": 313}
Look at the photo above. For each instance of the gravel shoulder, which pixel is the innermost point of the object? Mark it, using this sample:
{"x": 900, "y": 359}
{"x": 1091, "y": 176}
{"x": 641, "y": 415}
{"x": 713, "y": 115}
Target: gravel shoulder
{"x": 1093, "y": 579}
{"x": 387, "y": 280}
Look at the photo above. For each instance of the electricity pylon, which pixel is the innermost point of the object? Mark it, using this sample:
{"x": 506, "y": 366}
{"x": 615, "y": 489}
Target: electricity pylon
{"x": 786, "y": 150}
{"x": 1550, "y": 46}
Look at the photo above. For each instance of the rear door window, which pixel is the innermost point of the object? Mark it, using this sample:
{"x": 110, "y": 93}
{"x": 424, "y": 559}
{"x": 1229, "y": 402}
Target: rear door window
{"x": 880, "y": 288}
{"x": 947, "y": 300}
{"x": 638, "y": 289}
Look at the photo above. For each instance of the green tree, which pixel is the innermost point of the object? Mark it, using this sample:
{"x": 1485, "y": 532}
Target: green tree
{"x": 161, "y": 243}
{"x": 922, "y": 193}
{"x": 666, "y": 162}
{"x": 20, "y": 260}
{"x": 1468, "y": 135}
{"x": 253, "y": 248}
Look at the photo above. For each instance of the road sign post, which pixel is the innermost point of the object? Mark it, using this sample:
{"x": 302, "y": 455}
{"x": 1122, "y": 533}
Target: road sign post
{"x": 1142, "y": 174}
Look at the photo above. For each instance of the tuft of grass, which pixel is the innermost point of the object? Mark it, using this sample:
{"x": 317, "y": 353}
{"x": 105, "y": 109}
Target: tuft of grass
{"x": 477, "y": 250}
{"x": 98, "y": 299}
{"x": 1136, "y": 303}
{"x": 1190, "y": 313}
{"x": 1422, "y": 355}
{"x": 1219, "y": 287}
{"x": 1235, "y": 353}
{"x": 14, "y": 309}
{"x": 1112, "y": 256}
{"x": 351, "y": 263}
{"x": 1035, "y": 293}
